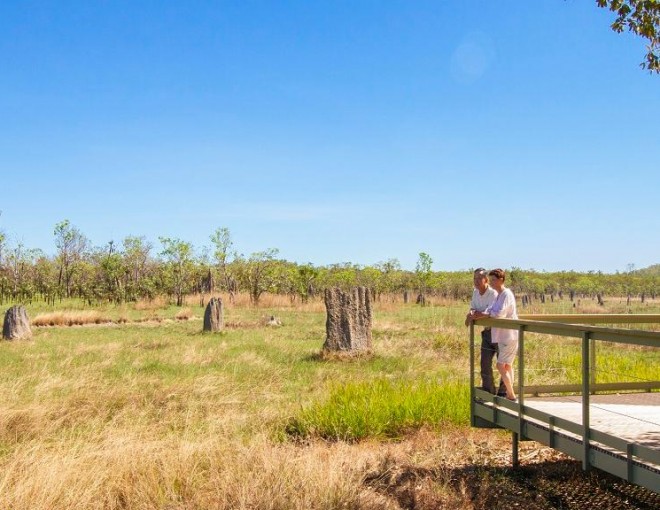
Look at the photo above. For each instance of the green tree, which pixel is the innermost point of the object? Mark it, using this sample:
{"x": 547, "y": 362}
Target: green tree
{"x": 3, "y": 239}
{"x": 71, "y": 245}
{"x": 258, "y": 273}
{"x": 84, "y": 284}
{"x": 372, "y": 278}
{"x": 19, "y": 261}
{"x": 223, "y": 243}
{"x": 392, "y": 276}
{"x": 641, "y": 17}
{"x": 178, "y": 257}
{"x": 423, "y": 272}
{"x": 136, "y": 256}
{"x": 344, "y": 275}
{"x": 44, "y": 274}
{"x": 304, "y": 278}
{"x": 111, "y": 274}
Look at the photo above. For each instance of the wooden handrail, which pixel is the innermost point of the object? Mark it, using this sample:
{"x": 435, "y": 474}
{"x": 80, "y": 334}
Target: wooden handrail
{"x": 489, "y": 410}
{"x": 594, "y": 318}
{"x": 626, "y": 336}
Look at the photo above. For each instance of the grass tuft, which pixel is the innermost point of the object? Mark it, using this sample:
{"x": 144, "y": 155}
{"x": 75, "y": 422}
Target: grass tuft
{"x": 382, "y": 409}
{"x": 184, "y": 314}
{"x": 69, "y": 318}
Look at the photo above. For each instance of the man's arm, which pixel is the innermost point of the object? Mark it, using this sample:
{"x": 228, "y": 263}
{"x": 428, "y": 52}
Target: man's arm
{"x": 473, "y": 305}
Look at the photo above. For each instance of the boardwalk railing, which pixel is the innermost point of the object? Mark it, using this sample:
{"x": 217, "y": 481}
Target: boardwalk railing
{"x": 628, "y": 459}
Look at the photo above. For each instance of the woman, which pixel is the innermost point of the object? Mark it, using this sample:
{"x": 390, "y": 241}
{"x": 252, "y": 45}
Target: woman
{"x": 504, "y": 307}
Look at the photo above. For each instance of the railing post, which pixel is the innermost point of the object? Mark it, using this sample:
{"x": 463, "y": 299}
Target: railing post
{"x": 521, "y": 377}
{"x": 472, "y": 418}
{"x": 586, "y": 392}
{"x": 515, "y": 462}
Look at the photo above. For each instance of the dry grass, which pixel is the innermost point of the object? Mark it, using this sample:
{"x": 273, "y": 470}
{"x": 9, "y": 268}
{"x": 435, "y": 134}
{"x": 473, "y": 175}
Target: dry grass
{"x": 151, "y": 304}
{"x": 163, "y": 417}
{"x": 385, "y": 303}
{"x": 241, "y": 300}
{"x": 129, "y": 471}
{"x": 126, "y": 462}
{"x": 458, "y": 469}
{"x": 70, "y": 318}
{"x": 184, "y": 314}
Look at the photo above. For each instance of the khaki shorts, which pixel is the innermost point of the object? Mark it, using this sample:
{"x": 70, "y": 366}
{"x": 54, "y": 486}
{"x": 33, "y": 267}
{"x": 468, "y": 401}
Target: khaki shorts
{"x": 507, "y": 352}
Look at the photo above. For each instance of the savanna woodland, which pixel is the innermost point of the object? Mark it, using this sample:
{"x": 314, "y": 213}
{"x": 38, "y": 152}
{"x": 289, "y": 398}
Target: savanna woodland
{"x": 119, "y": 400}
{"x": 137, "y": 270}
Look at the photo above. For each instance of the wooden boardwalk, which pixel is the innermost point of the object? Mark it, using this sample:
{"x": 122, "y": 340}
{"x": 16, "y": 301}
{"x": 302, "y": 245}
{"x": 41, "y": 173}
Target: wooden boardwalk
{"x": 623, "y": 433}
{"x": 634, "y": 417}
{"x": 603, "y": 425}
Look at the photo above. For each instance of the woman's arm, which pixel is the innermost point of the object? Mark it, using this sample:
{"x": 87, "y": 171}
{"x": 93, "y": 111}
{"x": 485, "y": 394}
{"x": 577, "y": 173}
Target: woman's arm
{"x": 501, "y": 305}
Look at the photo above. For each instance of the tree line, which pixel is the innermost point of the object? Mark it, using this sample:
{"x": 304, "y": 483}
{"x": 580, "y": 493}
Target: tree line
{"x": 136, "y": 270}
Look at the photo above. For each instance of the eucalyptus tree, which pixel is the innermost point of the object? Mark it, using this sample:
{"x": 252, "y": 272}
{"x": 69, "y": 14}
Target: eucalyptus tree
{"x": 178, "y": 258}
{"x": 391, "y": 276}
{"x": 111, "y": 271}
{"x": 19, "y": 263}
{"x": 84, "y": 284}
{"x": 371, "y": 278}
{"x": 3, "y": 239}
{"x": 204, "y": 281}
{"x": 423, "y": 272}
{"x": 223, "y": 243}
{"x": 258, "y": 273}
{"x": 450, "y": 284}
{"x": 343, "y": 275}
{"x": 641, "y": 17}
{"x": 304, "y": 278}
{"x": 136, "y": 255}
{"x": 71, "y": 245}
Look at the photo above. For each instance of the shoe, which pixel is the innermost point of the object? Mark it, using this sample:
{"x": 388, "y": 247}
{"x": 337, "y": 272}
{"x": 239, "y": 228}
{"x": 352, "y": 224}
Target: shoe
{"x": 514, "y": 400}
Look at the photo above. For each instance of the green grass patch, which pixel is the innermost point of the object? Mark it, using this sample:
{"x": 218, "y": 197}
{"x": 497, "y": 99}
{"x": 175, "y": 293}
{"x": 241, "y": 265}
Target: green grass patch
{"x": 383, "y": 409}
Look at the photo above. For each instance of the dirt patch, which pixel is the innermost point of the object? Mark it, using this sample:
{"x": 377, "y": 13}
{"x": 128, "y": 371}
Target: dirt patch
{"x": 550, "y": 481}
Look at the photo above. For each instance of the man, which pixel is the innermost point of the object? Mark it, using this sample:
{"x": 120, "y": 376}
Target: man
{"x": 483, "y": 296}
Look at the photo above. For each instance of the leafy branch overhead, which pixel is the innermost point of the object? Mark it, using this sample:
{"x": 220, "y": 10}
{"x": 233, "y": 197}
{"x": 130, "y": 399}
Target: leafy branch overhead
{"x": 642, "y": 17}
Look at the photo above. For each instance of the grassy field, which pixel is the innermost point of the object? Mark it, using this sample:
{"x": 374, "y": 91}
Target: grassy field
{"x": 136, "y": 408}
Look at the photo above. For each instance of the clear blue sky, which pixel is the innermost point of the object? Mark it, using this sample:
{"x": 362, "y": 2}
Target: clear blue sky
{"x": 483, "y": 133}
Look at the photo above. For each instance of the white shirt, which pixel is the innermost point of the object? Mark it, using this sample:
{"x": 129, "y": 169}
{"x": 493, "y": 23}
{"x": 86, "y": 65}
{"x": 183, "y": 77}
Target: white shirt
{"x": 482, "y": 301}
{"x": 504, "y": 307}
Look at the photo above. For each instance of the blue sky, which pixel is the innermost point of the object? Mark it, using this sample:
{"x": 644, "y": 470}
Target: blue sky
{"x": 483, "y": 133}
